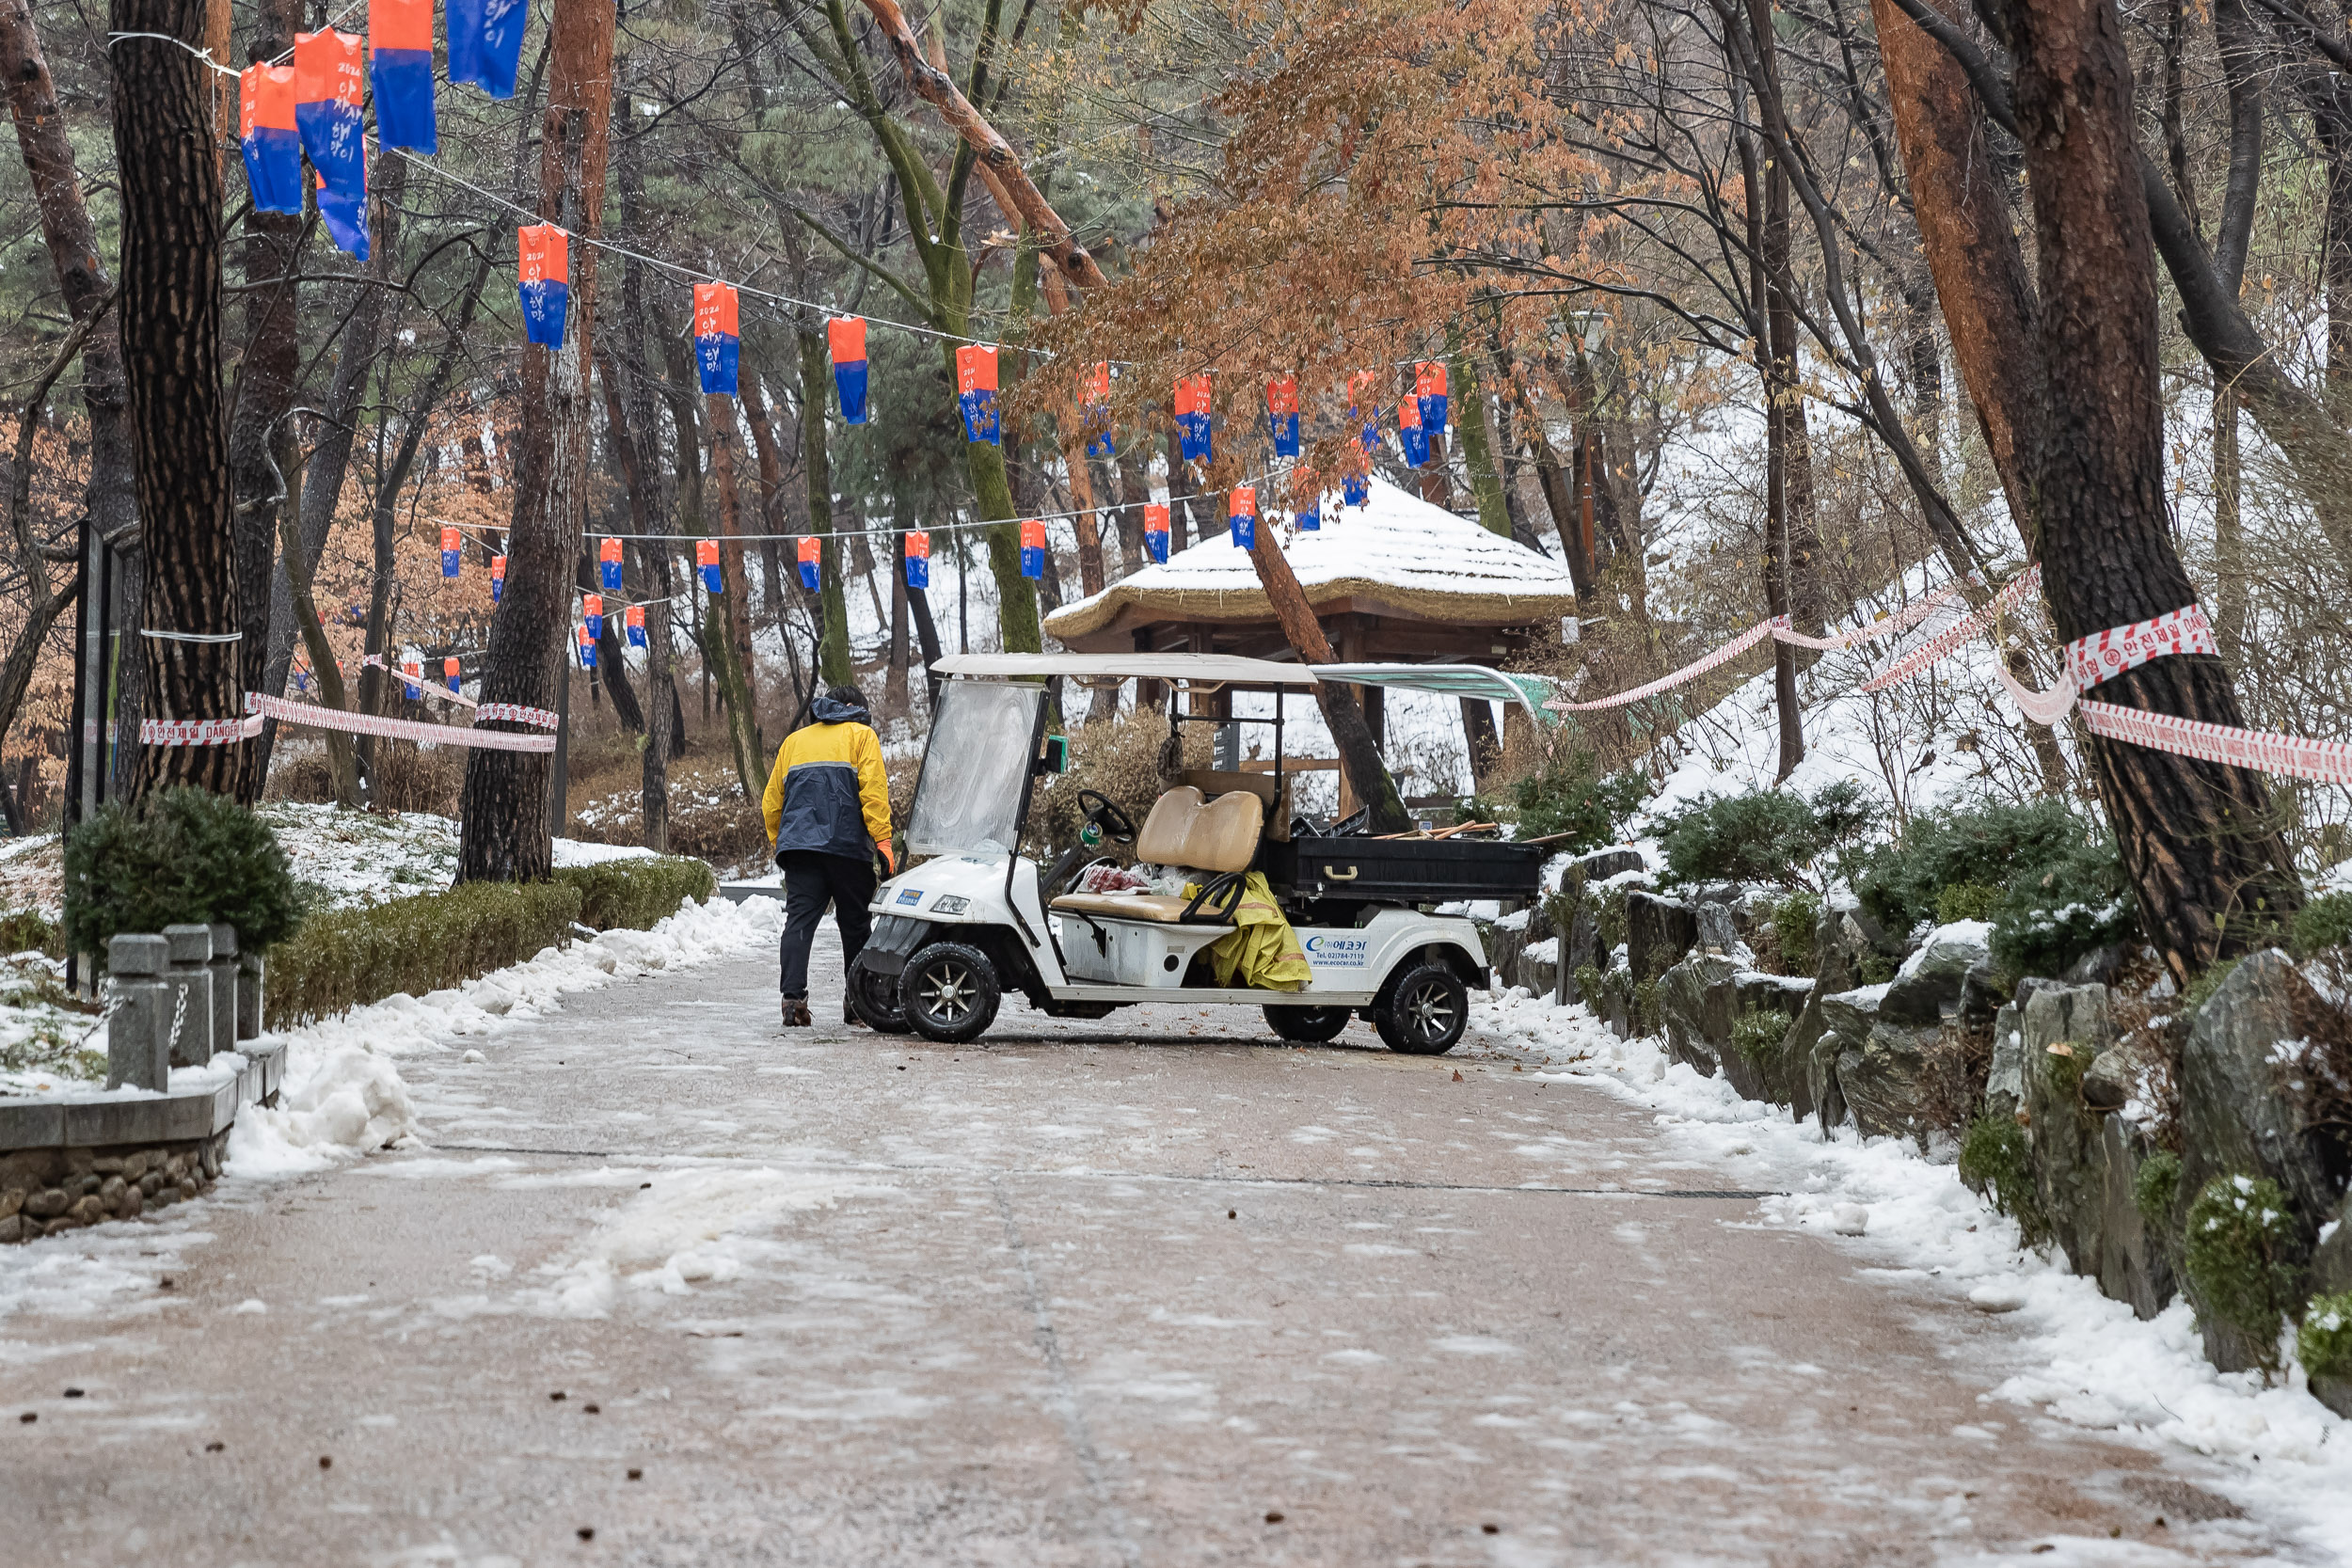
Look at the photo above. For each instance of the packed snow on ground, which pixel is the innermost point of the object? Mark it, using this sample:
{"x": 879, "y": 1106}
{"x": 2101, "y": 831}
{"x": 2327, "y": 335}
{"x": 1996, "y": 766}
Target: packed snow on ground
{"x": 2086, "y": 1359}
{"x": 342, "y": 1096}
{"x": 342, "y": 1092}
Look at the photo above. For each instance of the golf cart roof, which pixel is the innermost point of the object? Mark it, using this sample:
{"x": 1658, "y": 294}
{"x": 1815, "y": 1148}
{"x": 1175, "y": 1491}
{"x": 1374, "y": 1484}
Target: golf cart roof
{"x": 1453, "y": 680}
{"x": 1202, "y": 669}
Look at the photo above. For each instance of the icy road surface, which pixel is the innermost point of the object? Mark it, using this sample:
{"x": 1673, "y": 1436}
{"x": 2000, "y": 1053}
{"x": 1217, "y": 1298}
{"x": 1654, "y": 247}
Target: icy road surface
{"x": 671, "y": 1287}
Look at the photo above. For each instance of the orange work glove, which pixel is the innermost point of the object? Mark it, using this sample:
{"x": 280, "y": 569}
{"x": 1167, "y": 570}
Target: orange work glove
{"x": 888, "y": 859}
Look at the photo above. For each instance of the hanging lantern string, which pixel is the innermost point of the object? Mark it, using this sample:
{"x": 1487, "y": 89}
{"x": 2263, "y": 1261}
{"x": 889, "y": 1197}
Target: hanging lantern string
{"x": 673, "y": 268}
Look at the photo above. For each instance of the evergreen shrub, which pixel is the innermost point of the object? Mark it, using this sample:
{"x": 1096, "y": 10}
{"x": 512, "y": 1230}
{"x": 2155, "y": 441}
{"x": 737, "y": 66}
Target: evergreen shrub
{"x": 178, "y": 856}
{"x": 1991, "y": 844}
{"x": 346, "y": 959}
{"x": 1571, "y": 796}
{"x": 1766, "y": 836}
{"x": 2237, "y": 1254}
{"x": 2079, "y": 903}
{"x": 634, "y": 893}
{"x": 2325, "y": 922}
{"x": 2323, "y": 1344}
{"x": 1995, "y": 1164}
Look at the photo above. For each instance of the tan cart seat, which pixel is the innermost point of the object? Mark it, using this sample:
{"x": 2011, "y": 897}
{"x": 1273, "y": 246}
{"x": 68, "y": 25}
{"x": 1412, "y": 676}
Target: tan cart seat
{"x": 1187, "y": 829}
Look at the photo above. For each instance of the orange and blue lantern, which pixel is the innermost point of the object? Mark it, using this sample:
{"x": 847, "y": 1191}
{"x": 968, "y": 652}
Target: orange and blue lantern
{"x": 812, "y": 561}
{"x": 415, "y": 670}
{"x": 1282, "y": 414}
{"x": 845, "y": 336}
{"x": 1192, "y": 416}
{"x": 1356, "y": 489}
{"x": 633, "y": 619}
{"x": 450, "y": 672}
{"x": 1094, "y": 404}
{"x": 1032, "y": 549}
{"x": 327, "y": 112}
{"x": 717, "y": 344}
{"x": 975, "y": 392}
{"x": 1411, "y": 434}
{"x": 1306, "y": 500}
{"x": 453, "y": 545}
{"x": 1155, "y": 530}
{"x": 400, "y": 67}
{"x": 1429, "y": 392}
{"x": 587, "y": 649}
{"x": 486, "y": 38}
{"x": 544, "y": 270}
{"x": 918, "y": 558}
{"x": 267, "y": 134}
{"x": 706, "y": 558}
{"x": 609, "y": 565}
{"x": 498, "y": 577}
{"x": 1241, "y": 515}
{"x": 591, "y": 610}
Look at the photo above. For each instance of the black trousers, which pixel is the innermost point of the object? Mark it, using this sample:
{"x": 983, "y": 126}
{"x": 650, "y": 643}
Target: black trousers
{"x": 809, "y": 879}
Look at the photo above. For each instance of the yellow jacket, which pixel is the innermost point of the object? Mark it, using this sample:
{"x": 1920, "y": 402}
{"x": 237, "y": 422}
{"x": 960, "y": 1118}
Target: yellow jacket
{"x": 827, "y": 792}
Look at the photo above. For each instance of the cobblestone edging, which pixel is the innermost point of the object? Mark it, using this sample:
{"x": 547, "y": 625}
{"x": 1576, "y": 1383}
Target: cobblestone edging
{"x": 65, "y": 1163}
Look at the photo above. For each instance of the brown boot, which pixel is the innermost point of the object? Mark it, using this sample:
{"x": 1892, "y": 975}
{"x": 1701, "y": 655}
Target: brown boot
{"x": 796, "y": 1012}
{"x": 849, "y": 1019}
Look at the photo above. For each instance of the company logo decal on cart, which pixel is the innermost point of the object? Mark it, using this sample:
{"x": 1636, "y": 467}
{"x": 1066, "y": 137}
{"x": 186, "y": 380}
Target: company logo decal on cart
{"x": 1337, "y": 952}
{"x": 910, "y": 895}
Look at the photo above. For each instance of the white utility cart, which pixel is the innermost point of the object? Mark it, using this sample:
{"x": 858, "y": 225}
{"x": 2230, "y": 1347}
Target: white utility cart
{"x": 975, "y": 918}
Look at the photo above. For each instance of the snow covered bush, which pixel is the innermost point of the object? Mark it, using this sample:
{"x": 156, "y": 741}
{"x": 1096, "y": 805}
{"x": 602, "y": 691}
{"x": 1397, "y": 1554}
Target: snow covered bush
{"x": 1795, "y": 920}
{"x": 2079, "y": 903}
{"x": 2156, "y": 1187}
{"x": 1766, "y": 836}
{"x": 1988, "y": 844}
{"x": 2325, "y": 922}
{"x": 633, "y": 892}
{"x": 1569, "y": 795}
{"x": 181, "y": 856}
{"x": 2323, "y": 1344}
{"x": 1995, "y": 1164}
{"x": 30, "y": 931}
{"x": 2237, "y": 1255}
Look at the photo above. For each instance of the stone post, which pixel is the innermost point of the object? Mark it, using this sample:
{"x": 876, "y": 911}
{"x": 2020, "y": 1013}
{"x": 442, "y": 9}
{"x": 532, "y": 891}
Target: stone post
{"x": 250, "y": 997}
{"x": 191, "y": 978}
{"x": 224, "y": 967}
{"x": 139, "y": 1036}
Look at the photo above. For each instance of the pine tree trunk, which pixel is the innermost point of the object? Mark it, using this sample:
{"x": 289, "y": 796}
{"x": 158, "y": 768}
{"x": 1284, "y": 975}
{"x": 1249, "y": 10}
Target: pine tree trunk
{"x": 731, "y": 640}
{"x": 169, "y": 314}
{"x": 270, "y": 255}
{"x": 2200, "y": 842}
{"x": 833, "y": 650}
{"x": 1351, "y": 732}
{"x": 507, "y": 832}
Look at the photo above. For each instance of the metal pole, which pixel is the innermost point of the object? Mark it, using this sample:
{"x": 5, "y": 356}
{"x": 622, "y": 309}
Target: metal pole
{"x": 78, "y": 763}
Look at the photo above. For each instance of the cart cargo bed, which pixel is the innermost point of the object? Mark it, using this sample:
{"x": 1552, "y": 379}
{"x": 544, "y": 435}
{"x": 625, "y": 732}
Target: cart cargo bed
{"x": 1403, "y": 870}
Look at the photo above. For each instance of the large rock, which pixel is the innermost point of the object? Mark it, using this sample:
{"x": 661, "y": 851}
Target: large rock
{"x": 1660, "y": 933}
{"x": 1926, "y": 989}
{"x": 2086, "y": 1160}
{"x": 1840, "y": 941}
{"x": 1603, "y": 863}
{"x": 1701, "y": 1001}
{"x": 2005, "y": 1082}
{"x": 1881, "y": 1067}
{"x": 2244, "y": 1111}
{"x": 1507, "y": 941}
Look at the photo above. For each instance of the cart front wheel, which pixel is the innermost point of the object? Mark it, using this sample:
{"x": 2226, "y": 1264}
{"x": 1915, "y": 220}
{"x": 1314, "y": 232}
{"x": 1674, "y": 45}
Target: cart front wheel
{"x": 1306, "y": 1025}
{"x": 1422, "y": 1011}
{"x": 875, "y": 998}
{"x": 950, "y": 992}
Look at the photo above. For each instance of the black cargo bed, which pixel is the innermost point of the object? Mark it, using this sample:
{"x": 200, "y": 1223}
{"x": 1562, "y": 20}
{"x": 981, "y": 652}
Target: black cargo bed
{"x": 1360, "y": 870}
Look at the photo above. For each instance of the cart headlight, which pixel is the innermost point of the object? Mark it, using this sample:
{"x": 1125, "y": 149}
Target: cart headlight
{"x": 950, "y": 904}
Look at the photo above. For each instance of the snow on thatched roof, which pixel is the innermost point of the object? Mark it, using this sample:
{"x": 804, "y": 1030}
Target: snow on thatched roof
{"x": 1396, "y": 555}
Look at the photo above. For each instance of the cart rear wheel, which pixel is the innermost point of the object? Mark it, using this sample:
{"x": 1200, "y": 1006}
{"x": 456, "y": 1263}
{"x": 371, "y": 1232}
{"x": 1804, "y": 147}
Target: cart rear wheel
{"x": 1306, "y": 1025}
{"x": 1422, "y": 1009}
{"x": 875, "y": 999}
{"x": 950, "y": 992}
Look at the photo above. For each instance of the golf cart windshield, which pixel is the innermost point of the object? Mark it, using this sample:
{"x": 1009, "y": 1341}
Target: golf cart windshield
{"x": 975, "y": 769}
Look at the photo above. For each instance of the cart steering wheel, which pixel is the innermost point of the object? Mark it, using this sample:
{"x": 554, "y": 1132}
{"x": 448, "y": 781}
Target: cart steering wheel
{"x": 1107, "y": 816}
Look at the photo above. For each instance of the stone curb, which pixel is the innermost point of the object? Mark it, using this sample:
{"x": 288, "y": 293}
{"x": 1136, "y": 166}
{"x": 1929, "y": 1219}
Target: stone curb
{"x": 164, "y": 1119}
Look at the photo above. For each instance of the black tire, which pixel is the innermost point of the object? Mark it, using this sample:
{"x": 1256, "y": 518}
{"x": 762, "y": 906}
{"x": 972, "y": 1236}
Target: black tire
{"x": 875, "y": 998}
{"x": 950, "y": 992}
{"x": 1422, "y": 1009}
{"x": 1308, "y": 1025}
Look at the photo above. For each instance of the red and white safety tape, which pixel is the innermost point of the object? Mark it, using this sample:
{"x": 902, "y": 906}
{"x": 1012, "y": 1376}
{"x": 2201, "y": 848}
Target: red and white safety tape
{"x": 1959, "y": 634}
{"x": 397, "y": 729}
{"x": 2324, "y": 761}
{"x": 198, "y": 732}
{"x": 2107, "y": 655}
{"x": 515, "y": 713}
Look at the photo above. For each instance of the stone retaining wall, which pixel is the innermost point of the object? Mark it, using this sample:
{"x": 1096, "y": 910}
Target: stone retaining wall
{"x": 43, "y": 1191}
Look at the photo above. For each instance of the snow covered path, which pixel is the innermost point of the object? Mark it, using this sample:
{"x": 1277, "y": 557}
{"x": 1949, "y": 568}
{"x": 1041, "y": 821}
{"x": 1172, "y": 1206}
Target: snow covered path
{"x": 721, "y": 1296}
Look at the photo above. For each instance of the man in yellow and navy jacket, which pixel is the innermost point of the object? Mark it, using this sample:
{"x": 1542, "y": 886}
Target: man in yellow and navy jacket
{"x": 828, "y": 811}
